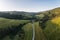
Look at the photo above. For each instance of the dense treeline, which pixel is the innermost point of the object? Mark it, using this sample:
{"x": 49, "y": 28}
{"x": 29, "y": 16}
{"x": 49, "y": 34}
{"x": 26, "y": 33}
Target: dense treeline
{"x": 17, "y": 16}
{"x": 43, "y": 21}
{"x": 12, "y": 31}
{"x": 47, "y": 16}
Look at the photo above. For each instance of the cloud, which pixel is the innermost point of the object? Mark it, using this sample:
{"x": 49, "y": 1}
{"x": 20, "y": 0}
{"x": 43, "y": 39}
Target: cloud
{"x": 28, "y": 5}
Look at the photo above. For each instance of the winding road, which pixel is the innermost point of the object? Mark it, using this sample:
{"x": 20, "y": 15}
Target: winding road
{"x": 33, "y": 38}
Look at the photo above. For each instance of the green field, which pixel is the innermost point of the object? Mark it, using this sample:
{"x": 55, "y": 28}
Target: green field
{"x": 52, "y": 31}
{"x": 27, "y": 28}
{"x": 6, "y": 24}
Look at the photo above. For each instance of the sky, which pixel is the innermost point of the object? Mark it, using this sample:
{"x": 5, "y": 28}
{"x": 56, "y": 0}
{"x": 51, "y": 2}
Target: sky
{"x": 28, "y": 5}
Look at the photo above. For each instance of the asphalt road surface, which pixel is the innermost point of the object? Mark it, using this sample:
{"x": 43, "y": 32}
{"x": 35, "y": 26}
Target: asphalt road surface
{"x": 33, "y": 37}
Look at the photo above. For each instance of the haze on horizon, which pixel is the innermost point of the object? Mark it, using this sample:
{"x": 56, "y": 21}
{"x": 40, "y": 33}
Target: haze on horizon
{"x": 28, "y": 5}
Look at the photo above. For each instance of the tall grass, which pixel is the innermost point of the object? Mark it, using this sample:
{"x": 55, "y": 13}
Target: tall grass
{"x": 52, "y": 31}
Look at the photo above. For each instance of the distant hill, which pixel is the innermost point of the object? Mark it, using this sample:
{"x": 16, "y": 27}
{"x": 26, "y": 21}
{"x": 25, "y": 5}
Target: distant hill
{"x": 18, "y": 12}
{"x": 17, "y": 15}
{"x": 49, "y": 14}
{"x": 55, "y": 11}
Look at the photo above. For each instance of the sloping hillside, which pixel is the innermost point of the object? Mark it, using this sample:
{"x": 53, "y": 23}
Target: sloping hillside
{"x": 51, "y": 21}
{"x": 50, "y": 13}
